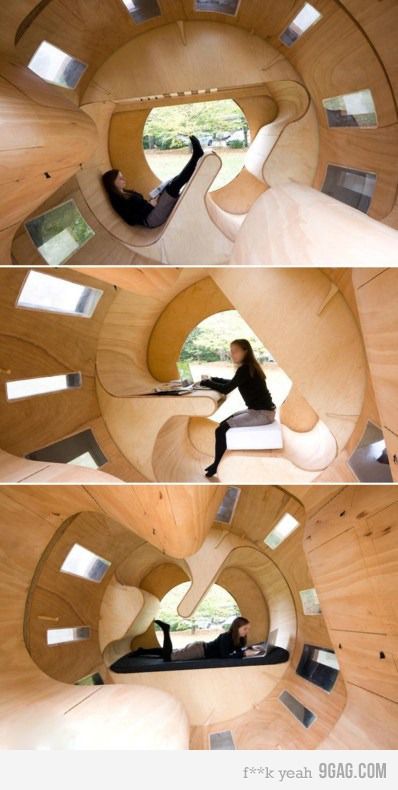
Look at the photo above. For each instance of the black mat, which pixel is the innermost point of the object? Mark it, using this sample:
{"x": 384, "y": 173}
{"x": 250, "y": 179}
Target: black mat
{"x": 130, "y": 663}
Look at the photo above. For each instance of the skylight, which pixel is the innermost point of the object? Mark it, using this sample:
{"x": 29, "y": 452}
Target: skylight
{"x": 84, "y": 563}
{"x": 326, "y": 657}
{"x": 319, "y": 666}
{"x": 57, "y": 636}
{"x": 227, "y": 507}
{"x": 310, "y": 601}
{"x": 307, "y": 17}
{"x": 142, "y": 10}
{"x": 55, "y": 295}
{"x": 26, "y": 388}
{"x": 285, "y": 526}
{"x": 351, "y": 109}
{"x": 56, "y": 66}
{"x": 353, "y": 187}
{"x": 80, "y": 449}
{"x": 59, "y": 233}
{"x": 305, "y": 716}
{"x": 217, "y": 6}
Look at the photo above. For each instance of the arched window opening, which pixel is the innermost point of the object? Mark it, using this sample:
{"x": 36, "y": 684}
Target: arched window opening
{"x": 220, "y": 126}
{"x": 206, "y": 353}
{"x": 212, "y": 617}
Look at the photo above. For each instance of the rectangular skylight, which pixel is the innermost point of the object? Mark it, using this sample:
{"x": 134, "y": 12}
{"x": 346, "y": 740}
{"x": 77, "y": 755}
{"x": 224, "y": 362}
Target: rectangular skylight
{"x": 217, "y": 6}
{"x": 305, "y": 19}
{"x": 142, "y": 10}
{"x": 305, "y": 716}
{"x": 353, "y": 187}
{"x": 326, "y": 657}
{"x": 56, "y": 66}
{"x": 351, "y": 109}
{"x": 80, "y": 449}
{"x": 228, "y": 505}
{"x": 85, "y": 459}
{"x": 59, "y": 233}
{"x": 285, "y": 526}
{"x": 57, "y": 636}
{"x": 319, "y": 666}
{"x": 27, "y": 388}
{"x": 56, "y": 295}
{"x": 91, "y": 680}
{"x": 310, "y": 601}
{"x": 221, "y": 740}
{"x": 84, "y": 563}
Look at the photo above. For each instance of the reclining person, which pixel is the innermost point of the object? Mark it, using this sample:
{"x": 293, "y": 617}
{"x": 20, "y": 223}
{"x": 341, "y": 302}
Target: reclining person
{"x": 132, "y": 206}
{"x": 231, "y": 644}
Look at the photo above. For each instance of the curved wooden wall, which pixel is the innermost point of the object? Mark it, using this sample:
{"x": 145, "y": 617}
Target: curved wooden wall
{"x": 352, "y": 550}
{"x": 349, "y": 49}
{"x": 308, "y": 318}
{"x": 44, "y": 139}
{"x": 351, "y": 529}
{"x": 38, "y": 343}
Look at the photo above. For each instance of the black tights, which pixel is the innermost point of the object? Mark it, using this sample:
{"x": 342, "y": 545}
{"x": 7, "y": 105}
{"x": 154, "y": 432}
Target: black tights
{"x": 163, "y": 652}
{"x": 221, "y": 446}
{"x": 176, "y": 184}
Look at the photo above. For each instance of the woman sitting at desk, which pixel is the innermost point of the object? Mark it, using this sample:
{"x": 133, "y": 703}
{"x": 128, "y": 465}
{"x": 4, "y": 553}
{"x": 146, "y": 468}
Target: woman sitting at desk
{"x": 250, "y": 380}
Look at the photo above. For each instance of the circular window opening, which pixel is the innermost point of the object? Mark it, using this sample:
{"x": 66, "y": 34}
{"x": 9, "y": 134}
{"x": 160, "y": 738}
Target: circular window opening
{"x": 221, "y": 126}
{"x": 212, "y": 617}
{"x": 206, "y": 353}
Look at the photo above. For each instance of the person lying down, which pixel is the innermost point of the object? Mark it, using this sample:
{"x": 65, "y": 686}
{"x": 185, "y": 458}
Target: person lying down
{"x": 231, "y": 644}
{"x": 132, "y": 206}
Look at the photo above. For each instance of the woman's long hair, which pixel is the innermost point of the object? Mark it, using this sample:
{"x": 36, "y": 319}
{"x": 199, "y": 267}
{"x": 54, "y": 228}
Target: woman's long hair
{"x": 108, "y": 180}
{"x": 239, "y": 641}
{"x": 254, "y": 366}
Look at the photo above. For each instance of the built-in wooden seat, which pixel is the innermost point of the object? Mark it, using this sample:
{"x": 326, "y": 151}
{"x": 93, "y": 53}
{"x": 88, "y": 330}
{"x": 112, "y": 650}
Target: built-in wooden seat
{"x": 293, "y": 102}
{"x": 188, "y": 237}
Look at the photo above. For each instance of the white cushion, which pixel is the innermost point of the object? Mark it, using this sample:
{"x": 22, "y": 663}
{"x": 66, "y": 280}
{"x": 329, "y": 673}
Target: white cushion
{"x": 257, "y": 437}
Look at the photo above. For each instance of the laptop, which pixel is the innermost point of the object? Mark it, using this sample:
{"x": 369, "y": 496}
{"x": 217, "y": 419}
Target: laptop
{"x": 182, "y": 386}
{"x": 262, "y": 649}
{"x": 187, "y": 377}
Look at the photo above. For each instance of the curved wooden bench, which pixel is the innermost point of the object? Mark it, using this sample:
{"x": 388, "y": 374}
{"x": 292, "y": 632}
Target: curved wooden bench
{"x": 130, "y": 664}
{"x": 297, "y": 225}
{"x": 126, "y": 612}
{"x": 293, "y": 103}
{"x": 187, "y": 238}
{"x": 135, "y": 422}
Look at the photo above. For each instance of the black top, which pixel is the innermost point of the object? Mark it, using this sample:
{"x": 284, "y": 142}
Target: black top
{"x": 253, "y": 389}
{"x": 223, "y": 647}
{"x": 134, "y": 209}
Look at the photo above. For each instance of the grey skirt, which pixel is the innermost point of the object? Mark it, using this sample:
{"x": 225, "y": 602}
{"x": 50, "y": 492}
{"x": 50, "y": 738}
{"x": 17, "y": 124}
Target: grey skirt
{"x": 161, "y": 211}
{"x": 251, "y": 417}
{"x": 191, "y": 651}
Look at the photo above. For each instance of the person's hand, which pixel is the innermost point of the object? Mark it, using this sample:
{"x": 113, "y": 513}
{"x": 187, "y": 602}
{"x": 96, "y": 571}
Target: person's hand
{"x": 250, "y": 652}
{"x": 154, "y": 202}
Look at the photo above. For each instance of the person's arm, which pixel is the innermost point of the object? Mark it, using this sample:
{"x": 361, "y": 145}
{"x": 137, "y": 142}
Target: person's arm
{"x": 227, "y": 649}
{"x": 224, "y": 385}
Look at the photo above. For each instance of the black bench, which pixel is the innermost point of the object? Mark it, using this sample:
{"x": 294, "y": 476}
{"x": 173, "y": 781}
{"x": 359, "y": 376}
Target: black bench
{"x": 130, "y": 663}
